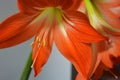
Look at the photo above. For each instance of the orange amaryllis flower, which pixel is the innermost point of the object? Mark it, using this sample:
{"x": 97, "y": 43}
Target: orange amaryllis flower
{"x": 109, "y": 56}
{"x": 110, "y": 10}
{"x": 52, "y": 21}
{"x": 106, "y": 15}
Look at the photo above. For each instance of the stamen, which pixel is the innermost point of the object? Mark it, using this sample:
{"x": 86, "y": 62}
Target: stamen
{"x": 44, "y": 42}
{"x": 31, "y": 43}
{"x": 37, "y": 8}
{"x": 35, "y": 58}
{"x": 37, "y": 38}
{"x": 115, "y": 76}
{"x": 59, "y": 7}
{"x": 39, "y": 45}
{"x": 72, "y": 24}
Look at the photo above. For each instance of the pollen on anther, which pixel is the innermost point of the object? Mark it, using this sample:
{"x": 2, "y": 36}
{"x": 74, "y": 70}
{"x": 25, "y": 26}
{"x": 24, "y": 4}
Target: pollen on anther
{"x": 37, "y": 38}
{"x": 31, "y": 43}
{"x": 44, "y": 42}
{"x": 39, "y": 45}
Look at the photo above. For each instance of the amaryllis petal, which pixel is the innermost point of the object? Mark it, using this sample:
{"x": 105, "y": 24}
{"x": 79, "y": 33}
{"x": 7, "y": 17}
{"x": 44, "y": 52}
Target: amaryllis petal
{"x": 80, "y": 59}
{"x": 75, "y": 5}
{"x": 17, "y": 29}
{"x": 29, "y": 30}
{"x": 42, "y": 48}
{"x": 110, "y": 11}
{"x": 30, "y": 8}
{"x": 19, "y": 38}
{"x": 96, "y": 59}
{"x": 82, "y": 7}
{"x": 35, "y": 5}
{"x": 60, "y": 3}
{"x": 71, "y": 4}
{"x": 107, "y": 60}
{"x": 98, "y": 73}
{"x": 81, "y": 29}
{"x": 79, "y": 77}
{"x": 71, "y": 39}
{"x": 14, "y": 25}
{"x": 112, "y": 55}
{"x": 98, "y": 48}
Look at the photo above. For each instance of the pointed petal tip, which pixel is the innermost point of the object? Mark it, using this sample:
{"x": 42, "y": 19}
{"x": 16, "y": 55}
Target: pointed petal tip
{"x": 37, "y": 72}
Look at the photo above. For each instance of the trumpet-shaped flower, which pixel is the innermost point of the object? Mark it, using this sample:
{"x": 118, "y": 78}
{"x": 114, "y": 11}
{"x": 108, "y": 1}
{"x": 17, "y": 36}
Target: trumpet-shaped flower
{"x": 52, "y": 21}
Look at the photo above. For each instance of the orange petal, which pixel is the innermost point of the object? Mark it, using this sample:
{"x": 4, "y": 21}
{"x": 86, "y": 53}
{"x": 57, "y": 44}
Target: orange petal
{"x": 24, "y": 35}
{"x": 29, "y": 6}
{"x": 115, "y": 43}
{"x": 81, "y": 28}
{"x": 111, "y": 12}
{"x": 14, "y": 25}
{"x": 42, "y": 48}
{"x": 112, "y": 55}
{"x": 80, "y": 77}
{"x": 60, "y": 3}
{"x": 98, "y": 73}
{"x": 78, "y": 53}
{"x": 98, "y": 49}
{"x": 82, "y": 7}
{"x": 71, "y": 4}
{"x": 107, "y": 60}
{"x": 73, "y": 39}
{"x": 32, "y": 6}
{"x": 75, "y": 5}
{"x": 25, "y": 29}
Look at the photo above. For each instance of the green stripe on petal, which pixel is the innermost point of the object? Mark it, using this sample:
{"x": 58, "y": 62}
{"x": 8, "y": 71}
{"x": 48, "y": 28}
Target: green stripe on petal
{"x": 96, "y": 18}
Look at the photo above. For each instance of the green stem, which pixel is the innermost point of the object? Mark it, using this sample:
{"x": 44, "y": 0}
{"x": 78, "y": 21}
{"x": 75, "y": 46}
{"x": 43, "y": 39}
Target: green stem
{"x": 27, "y": 69}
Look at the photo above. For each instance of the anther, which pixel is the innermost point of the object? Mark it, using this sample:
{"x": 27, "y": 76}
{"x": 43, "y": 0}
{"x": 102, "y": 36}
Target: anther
{"x": 37, "y": 38}
{"x": 44, "y": 42}
{"x": 39, "y": 44}
{"x": 31, "y": 43}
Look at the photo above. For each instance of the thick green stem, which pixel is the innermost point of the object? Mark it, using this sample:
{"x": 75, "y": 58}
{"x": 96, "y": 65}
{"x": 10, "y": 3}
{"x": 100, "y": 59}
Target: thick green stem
{"x": 27, "y": 69}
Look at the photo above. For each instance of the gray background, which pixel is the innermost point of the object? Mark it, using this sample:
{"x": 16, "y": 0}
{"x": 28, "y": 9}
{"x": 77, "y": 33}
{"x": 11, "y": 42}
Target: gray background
{"x": 12, "y": 60}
